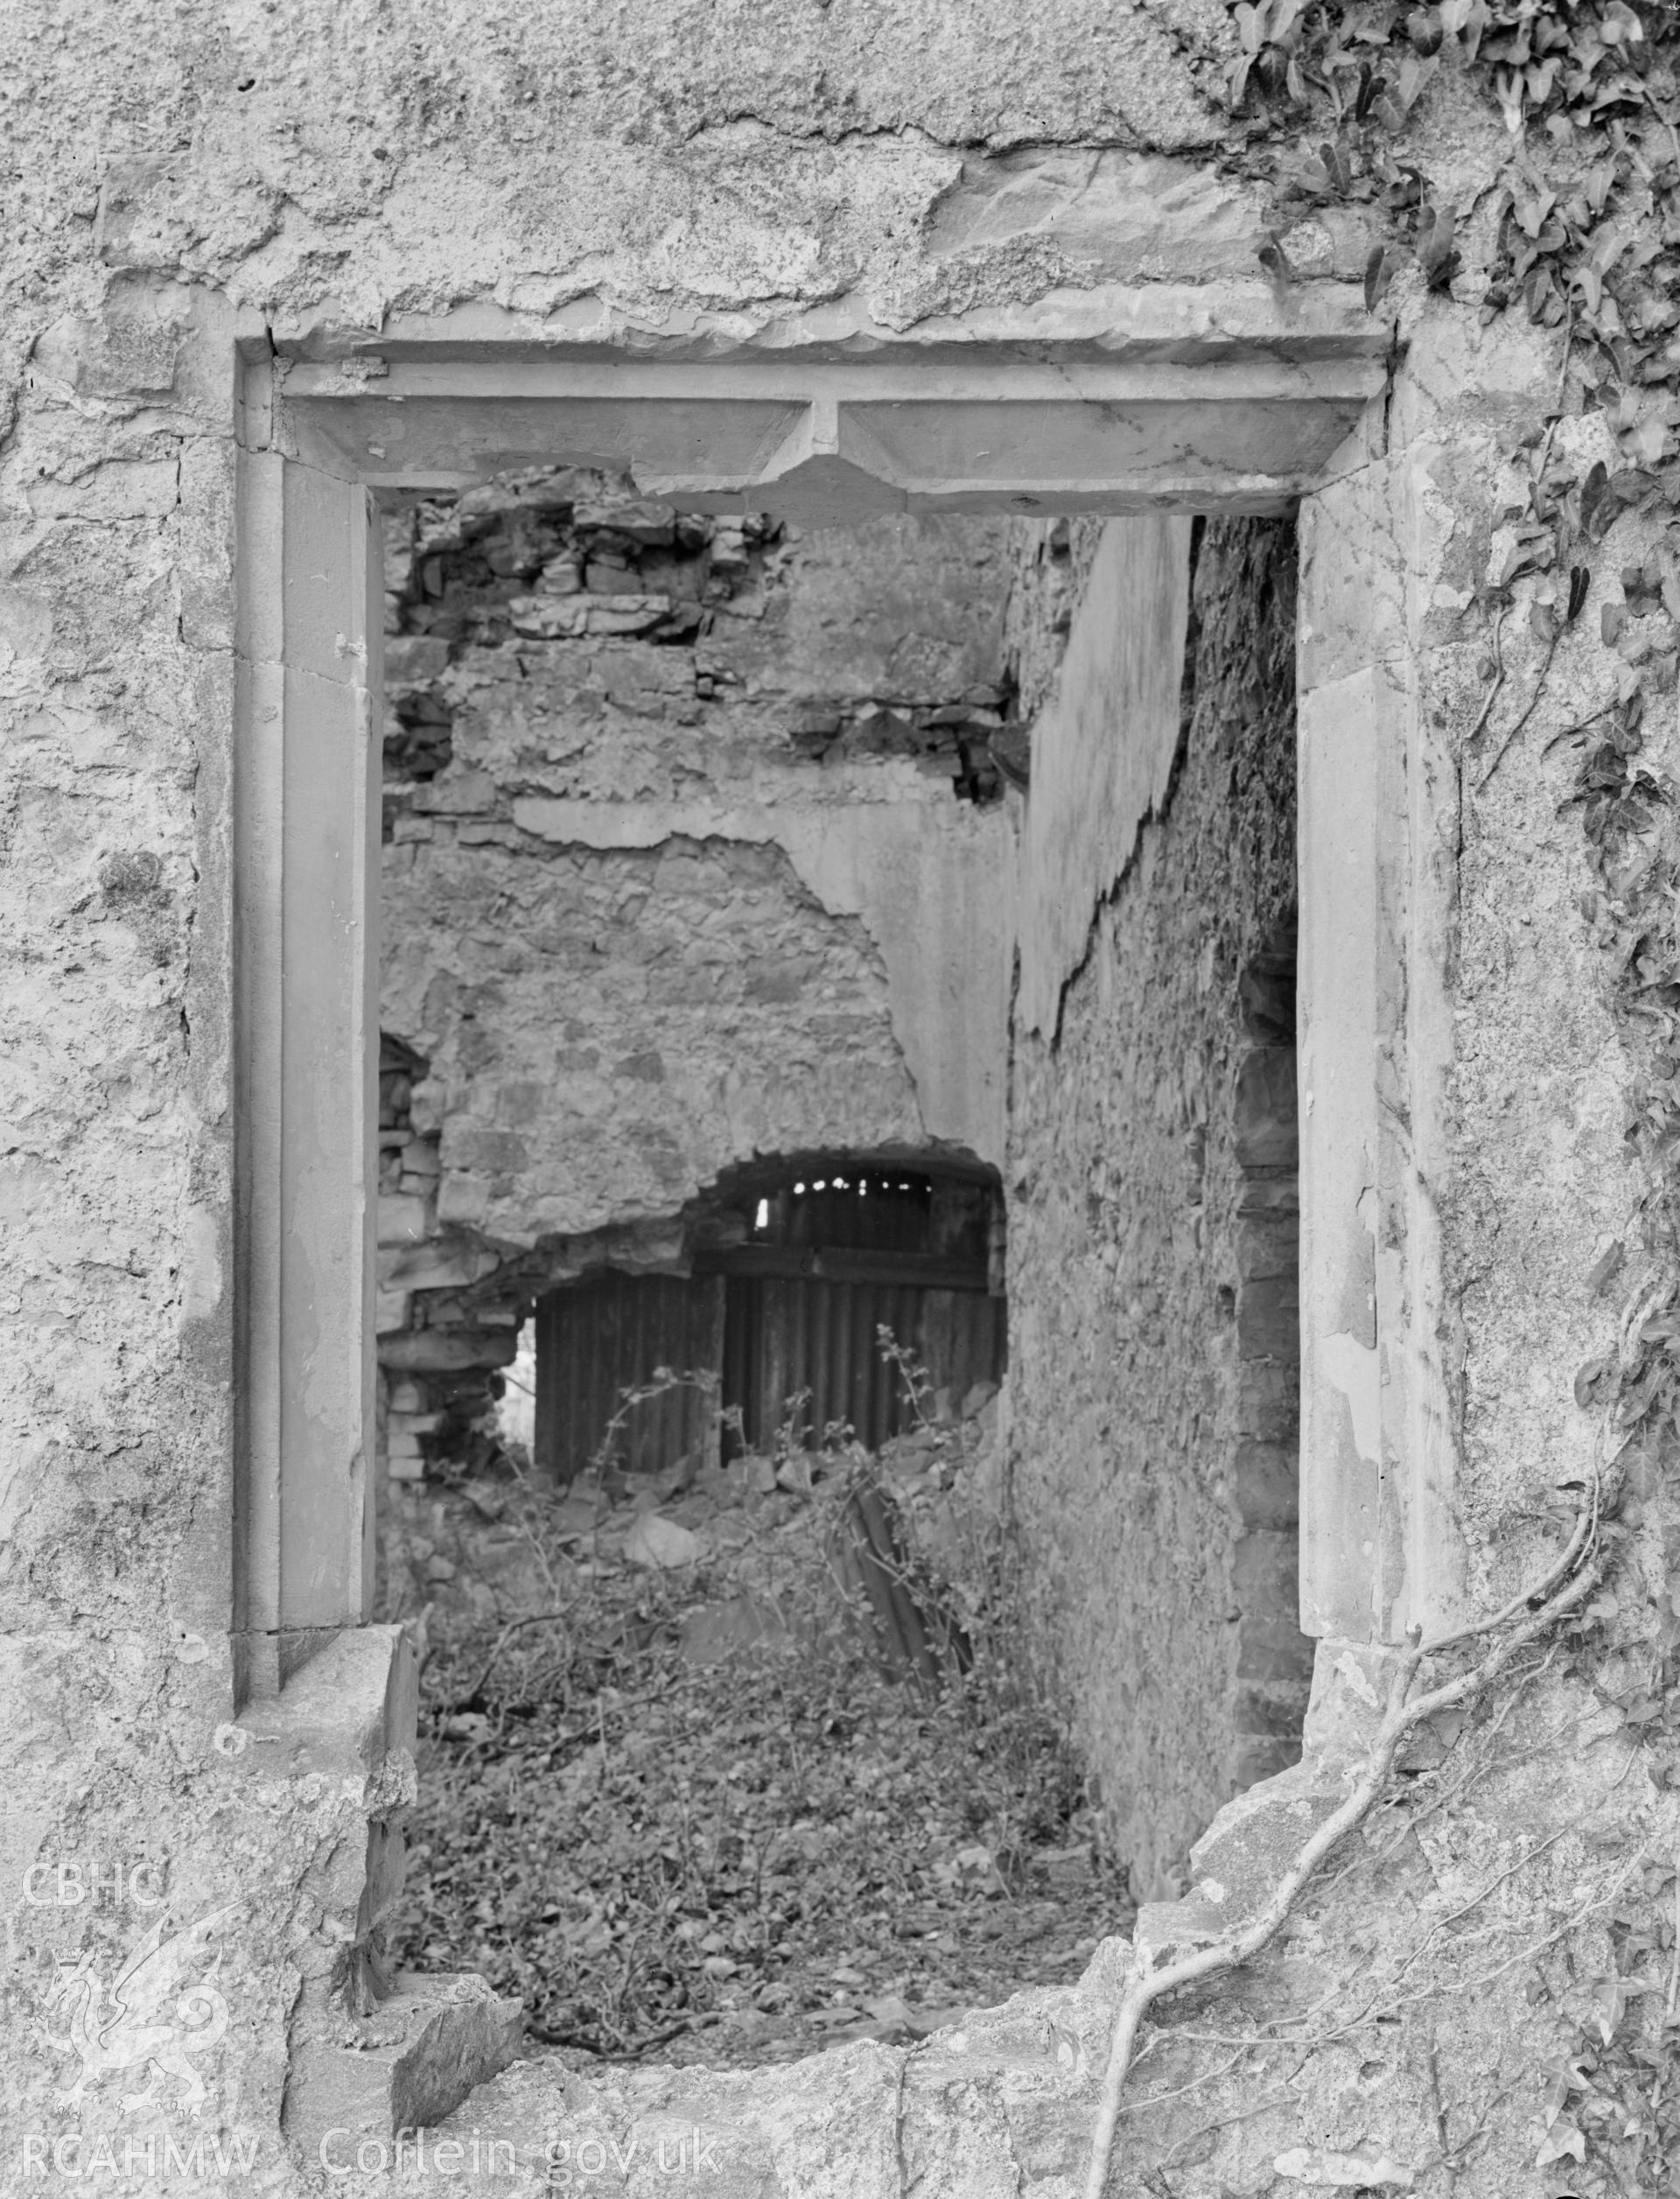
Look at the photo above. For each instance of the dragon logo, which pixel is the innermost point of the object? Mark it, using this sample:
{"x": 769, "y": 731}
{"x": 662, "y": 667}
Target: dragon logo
{"x": 161, "y": 2008}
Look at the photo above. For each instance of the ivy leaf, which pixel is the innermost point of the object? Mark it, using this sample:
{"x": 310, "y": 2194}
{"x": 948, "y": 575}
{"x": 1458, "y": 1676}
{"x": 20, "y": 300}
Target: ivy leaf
{"x": 1272, "y": 256}
{"x": 1610, "y": 240}
{"x": 1510, "y": 89}
{"x": 1379, "y": 270}
{"x": 1567, "y": 2075}
{"x": 1590, "y": 1378}
{"x": 1646, "y": 442}
{"x": 1435, "y": 252}
{"x": 1619, "y": 26}
{"x": 1463, "y": 21}
{"x": 1612, "y": 1992}
{"x": 1531, "y": 213}
{"x": 1563, "y": 2140}
{"x": 1603, "y": 495}
{"x": 1580, "y": 580}
{"x": 1413, "y": 77}
{"x": 1328, "y": 174}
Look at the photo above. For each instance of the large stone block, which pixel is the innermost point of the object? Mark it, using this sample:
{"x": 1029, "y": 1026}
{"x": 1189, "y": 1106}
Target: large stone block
{"x": 405, "y": 2068}
{"x": 1254, "y": 1839}
{"x": 997, "y": 2104}
{"x": 1262, "y": 1572}
{"x": 462, "y": 1198}
{"x": 1276, "y": 1711}
{"x": 1265, "y": 1481}
{"x": 457, "y": 794}
{"x": 1268, "y": 1245}
{"x": 401, "y": 1221}
{"x": 481, "y": 1151}
{"x": 448, "y": 1350}
{"x": 1273, "y": 1651}
{"x": 1256, "y": 1757}
{"x": 445, "y": 1265}
{"x": 1266, "y": 1110}
{"x": 1269, "y": 1317}
{"x": 410, "y": 658}
{"x": 1268, "y": 1401}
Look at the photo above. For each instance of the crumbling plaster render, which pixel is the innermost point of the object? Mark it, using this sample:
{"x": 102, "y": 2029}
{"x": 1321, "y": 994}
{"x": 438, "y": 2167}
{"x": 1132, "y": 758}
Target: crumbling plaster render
{"x": 656, "y": 1015}
{"x": 636, "y": 767}
{"x": 1103, "y": 746}
{"x": 696, "y": 159}
{"x": 933, "y": 896}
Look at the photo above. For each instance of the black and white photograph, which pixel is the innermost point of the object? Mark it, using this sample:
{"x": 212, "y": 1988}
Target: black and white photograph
{"x": 840, "y": 1099}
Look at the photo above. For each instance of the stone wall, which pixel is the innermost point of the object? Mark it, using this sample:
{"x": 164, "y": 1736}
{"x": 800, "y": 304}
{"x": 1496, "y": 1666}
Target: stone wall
{"x": 1154, "y": 1342}
{"x": 733, "y": 180}
{"x": 693, "y": 846}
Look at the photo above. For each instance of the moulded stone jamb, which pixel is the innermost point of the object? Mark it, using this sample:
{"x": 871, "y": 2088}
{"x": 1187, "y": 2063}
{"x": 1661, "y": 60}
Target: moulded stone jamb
{"x": 1381, "y": 1550}
{"x": 1341, "y": 729}
{"x": 1417, "y": 872}
{"x": 306, "y": 809}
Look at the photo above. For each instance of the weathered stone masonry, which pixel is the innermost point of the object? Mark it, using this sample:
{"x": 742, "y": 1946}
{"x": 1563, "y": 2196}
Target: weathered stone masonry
{"x": 202, "y": 205}
{"x": 1153, "y": 1224}
{"x": 694, "y": 850}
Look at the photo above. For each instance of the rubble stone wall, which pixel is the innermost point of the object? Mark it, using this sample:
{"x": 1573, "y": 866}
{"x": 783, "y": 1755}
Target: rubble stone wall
{"x": 1155, "y": 1352}
{"x": 695, "y": 852}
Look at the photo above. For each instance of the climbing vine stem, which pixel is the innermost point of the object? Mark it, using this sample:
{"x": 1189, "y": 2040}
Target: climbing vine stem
{"x": 1558, "y": 1596}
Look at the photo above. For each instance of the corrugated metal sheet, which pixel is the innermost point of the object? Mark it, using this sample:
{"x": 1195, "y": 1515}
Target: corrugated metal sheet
{"x": 771, "y": 1327}
{"x": 963, "y": 1340}
{"x": 784, "y": 1335}
{"x": 597, "y": 1338}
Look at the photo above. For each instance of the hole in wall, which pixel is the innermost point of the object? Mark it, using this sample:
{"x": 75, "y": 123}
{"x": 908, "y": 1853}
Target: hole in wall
{"x": 577, "y": 557}
{"x": 559, "y": 658}
{"x": 555, "y": 644}
{"x": 796, "y": 1269}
